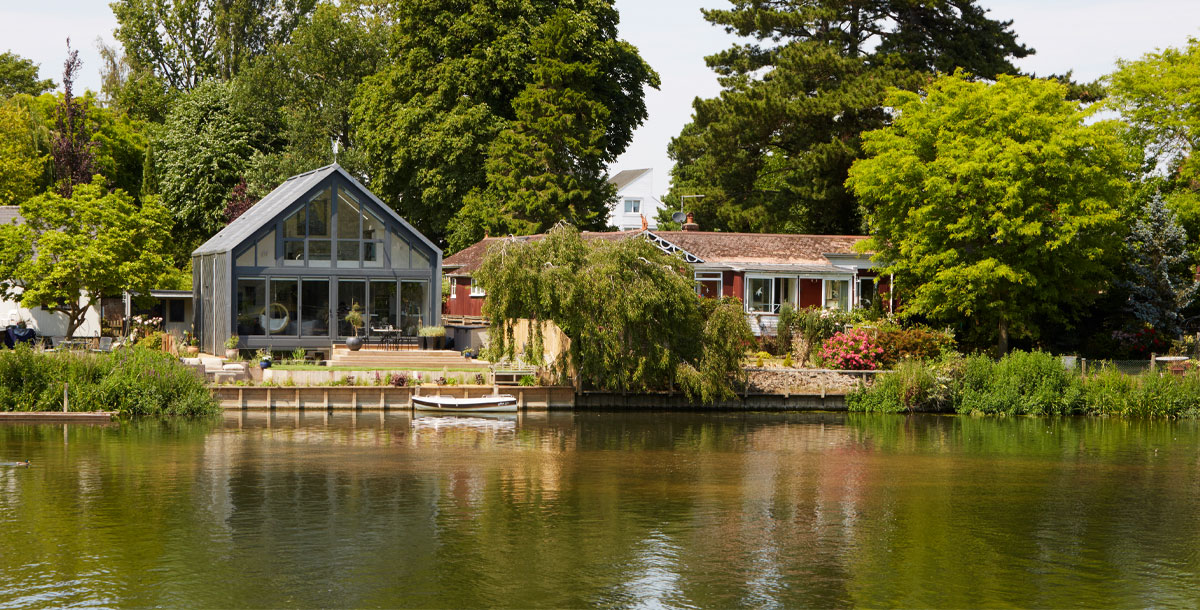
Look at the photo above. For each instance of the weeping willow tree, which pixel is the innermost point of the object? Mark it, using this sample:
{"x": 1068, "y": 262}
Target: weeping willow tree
{"x": 630, "y": 311}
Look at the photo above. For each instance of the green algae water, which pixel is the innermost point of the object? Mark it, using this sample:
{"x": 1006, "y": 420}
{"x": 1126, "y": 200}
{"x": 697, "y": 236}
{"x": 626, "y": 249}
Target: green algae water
{"x": 601, "y": 509}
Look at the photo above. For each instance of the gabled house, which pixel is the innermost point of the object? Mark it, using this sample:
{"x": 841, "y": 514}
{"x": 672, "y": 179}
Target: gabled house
{"x": 635, "y": 200}
{"x": 764, "y": 271}
{"x": 284, "y": 274}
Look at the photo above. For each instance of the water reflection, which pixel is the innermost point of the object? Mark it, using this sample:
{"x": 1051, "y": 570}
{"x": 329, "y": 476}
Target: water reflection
{"x": 612, "y": 509}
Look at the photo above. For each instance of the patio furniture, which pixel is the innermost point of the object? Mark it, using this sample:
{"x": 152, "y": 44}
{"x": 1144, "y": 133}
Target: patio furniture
{"x": 106, "y": 345}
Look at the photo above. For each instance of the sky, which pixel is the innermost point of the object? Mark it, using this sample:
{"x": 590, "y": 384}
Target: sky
{"x": 1086, "y": 36}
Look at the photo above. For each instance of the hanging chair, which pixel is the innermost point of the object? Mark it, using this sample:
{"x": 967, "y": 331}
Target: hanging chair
{"x": 275, "y": 318}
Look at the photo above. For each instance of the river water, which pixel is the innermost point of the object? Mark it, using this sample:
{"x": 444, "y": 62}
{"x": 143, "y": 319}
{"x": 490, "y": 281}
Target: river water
{"x": 601, "y": 509}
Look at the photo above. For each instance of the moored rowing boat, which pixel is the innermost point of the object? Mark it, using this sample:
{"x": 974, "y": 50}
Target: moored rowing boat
{"x": 500, "y": 403}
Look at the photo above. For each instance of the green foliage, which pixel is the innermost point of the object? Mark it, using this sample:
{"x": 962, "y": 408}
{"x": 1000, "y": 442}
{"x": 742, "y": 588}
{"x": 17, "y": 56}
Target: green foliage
{"x": 912, "y": 344}
{"x": 201, "y": 153}
{"x": 1111, "y": 392}
{"x": 70, "y": 252}
{"x": 354, "y": 317}
{"x": 467, "y": 72}
{"x": 645, "y": 340}
{"x": 912, "y": 386}
{"x": 810, "y": 328}
{"x": 21, "y": 163}
{"x": 431, "y": 331}
{"x": 184, "y": 42}
{"x": 784, "y": 329}
{"x": 132, "y": 381}
{"x": 1020, "y": 383}
{"x": 527, "y": 381}
{"x": 998, "y": 204}
{"x": 232, "y": 342}
{"x": 1158, "y": 271}
{"x": 20, "y": 75}
{"x": 771, "y": 153}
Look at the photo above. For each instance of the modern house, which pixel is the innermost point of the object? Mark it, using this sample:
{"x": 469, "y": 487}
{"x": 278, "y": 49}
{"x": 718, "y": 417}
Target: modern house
{"x": 284, "y": 274}
{"x": 764, "y": 271}
{"x": 635, "y": 200}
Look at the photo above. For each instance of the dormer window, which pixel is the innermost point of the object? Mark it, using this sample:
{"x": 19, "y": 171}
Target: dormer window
{"x": 633, "y": 206}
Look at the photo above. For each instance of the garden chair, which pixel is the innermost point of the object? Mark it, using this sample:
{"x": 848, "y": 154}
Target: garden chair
{"x": 106, "y": 345}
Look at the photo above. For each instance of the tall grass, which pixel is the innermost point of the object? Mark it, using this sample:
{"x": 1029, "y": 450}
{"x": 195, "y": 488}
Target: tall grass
{"x": 1026, "y": 383}
{"x": 132, "y": 381}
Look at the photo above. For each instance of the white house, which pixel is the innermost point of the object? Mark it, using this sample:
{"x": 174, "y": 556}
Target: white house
{"x": 635, "y": 199}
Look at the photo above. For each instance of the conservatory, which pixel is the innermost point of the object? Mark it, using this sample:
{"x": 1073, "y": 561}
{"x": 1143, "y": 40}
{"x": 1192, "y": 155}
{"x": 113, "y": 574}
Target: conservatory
{"x": 284, "y": 274}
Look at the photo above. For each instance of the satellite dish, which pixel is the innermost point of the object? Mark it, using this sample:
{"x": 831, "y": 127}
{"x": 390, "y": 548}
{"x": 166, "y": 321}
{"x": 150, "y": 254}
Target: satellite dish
{"x": 679, "y": 217}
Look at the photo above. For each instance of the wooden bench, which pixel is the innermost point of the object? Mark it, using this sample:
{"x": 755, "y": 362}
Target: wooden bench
{"x": 512, "y": 376}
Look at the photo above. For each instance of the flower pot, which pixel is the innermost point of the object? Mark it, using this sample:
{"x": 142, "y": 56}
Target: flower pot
{"x": 423, "y": 342}
{"x": 230, "y": 354}
{"x": 354, "y": 343}
{"x": 265, "y": 364}
{"x": 191, "y": 350}
{"x": 438, "y": 342}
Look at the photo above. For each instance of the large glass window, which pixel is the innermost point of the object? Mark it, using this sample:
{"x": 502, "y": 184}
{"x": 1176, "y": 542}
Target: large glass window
{"x": 708, "y": 284}
{"x": 758, "y": 294}
{"x": 266, "y": 250}
{"x": 314, "y": 309}
{"x": 350, "y": 293}
{"x": 399, "y": 253}
{"x": 282, "y": 314}
{"x": 413, "y": 309}
{"x": 837, "y": 294}
{"x": 419, "y": 260}
{"x": 383, "y": 305}
{"x": 785, "y": 292}
{"x": 251, "y": 305}
{"x": 246, "y": 259}
{"x": 867, "y": 292}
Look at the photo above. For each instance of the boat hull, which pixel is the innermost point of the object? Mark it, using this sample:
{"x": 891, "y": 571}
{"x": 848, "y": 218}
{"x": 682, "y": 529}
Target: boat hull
{"x": 487, "y": 404}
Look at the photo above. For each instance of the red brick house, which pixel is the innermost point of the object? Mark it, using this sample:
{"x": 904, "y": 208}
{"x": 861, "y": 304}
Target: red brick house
{"x": 764, "y": 271}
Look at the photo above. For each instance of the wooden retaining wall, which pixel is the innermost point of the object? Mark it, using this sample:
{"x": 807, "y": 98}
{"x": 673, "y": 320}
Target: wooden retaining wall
{"x": 749, "y": 402}
{"x": 338, "y": 398}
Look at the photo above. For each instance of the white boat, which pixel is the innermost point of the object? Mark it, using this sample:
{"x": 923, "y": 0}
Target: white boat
{"x": 499, "y": 403}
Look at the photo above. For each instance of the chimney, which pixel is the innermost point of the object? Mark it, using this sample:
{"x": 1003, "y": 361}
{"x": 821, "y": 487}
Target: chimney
{"x": 691, "y": 225}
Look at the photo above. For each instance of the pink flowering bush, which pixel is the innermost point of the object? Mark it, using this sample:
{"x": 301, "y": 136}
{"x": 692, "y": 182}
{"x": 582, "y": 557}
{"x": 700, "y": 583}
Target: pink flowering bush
{"x": 852, "y": 350}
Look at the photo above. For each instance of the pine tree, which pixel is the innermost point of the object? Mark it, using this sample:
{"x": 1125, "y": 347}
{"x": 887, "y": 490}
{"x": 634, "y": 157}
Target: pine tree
{"x": 1159, "y": 276}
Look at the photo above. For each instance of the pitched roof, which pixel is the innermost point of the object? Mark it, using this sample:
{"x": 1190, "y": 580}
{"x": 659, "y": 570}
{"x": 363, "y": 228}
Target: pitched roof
{"x": 623, "y": 178}
{"x": 761, "y": 248}
{"x": 283, "y": 197}
{"x": 467, "y": 260}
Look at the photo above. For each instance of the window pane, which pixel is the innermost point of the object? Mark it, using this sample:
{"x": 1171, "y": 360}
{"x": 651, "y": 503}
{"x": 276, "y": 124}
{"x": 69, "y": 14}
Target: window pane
{"x": 347, "y": 253}
{"x": 372, "y": 227}
{"x": 319, "y": 252}
{"x": 351, "y": 292}
{"x": 383, "y": 304}
{"x": 371, "y": 254}
{"x": 419, "y": 260}
{"x": 837, "y": 294}
{"x": 633, "y": 206}
{"x": 294, "y": 225}
{"x": 866, "y": 292}
{"x": 266, "y": 250}
{"x": 785, "y": 292}
{"x": 413, "y": 311}
{"x": 175, "y": 310}
{"x": 758, "y": 294}
{"x": 251, "y": 303}
{"x": 399, "y": 253}
{"x": 318, "y": 214}
{"x": 709, "y": 289}
{"x": 314, "y": 320}
{"x": 246, "y": 259}
{"x": 281, "y": 313}
{"x": 293, "y": 252}
{"x": 348, "y": 214}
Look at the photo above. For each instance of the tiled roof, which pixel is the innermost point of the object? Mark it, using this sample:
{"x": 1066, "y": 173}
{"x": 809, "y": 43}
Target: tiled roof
{"x": 761, "y": 248}
{"x": 623, "y": 178}
{"x": 467, "y": 260}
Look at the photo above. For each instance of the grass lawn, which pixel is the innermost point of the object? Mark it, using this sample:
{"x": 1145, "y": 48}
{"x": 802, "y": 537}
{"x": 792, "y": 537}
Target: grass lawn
{"x": 318, "y": 367}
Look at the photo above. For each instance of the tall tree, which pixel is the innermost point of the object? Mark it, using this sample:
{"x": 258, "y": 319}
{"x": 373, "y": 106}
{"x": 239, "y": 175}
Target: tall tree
{"x": 71, "y": 251}
{"x": 21, "y": 163}
{"x": 998, "y": 204}
{"x": 73, "y": 149}
{"x": 771, "y": 152}
{"x": 184, "y": 42}
{"x": 20, "y": 75}
{"x": 549, "y": 166}
{"x": 135, "y": 92}
{"x": 1159, "y": 276}
{"x": 427, "y": 121}
{"x": 201, "y": 154}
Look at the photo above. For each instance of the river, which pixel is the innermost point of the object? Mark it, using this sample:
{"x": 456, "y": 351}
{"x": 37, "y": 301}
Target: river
{"x": 621, "y": 510}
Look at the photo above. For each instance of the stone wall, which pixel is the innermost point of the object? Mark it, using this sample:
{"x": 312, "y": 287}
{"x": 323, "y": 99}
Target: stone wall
{"x": 804, "y": 381}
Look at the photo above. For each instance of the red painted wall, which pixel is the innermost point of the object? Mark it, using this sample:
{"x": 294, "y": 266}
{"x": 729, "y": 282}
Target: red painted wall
{"x": 810, "y": 293}
{"x": 463, "y": 304}
{"x": 732, "y": 284}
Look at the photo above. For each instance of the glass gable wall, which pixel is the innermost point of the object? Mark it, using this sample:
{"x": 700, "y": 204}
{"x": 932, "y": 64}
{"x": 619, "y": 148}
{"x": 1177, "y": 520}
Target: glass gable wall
{"x": 299, "y": 278}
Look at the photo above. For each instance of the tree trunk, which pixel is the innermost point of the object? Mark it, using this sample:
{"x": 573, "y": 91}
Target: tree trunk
{"x": 1003, "y": 342}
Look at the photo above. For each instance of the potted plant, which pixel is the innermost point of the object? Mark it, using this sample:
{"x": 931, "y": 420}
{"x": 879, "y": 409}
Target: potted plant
{"x": 190, "y": 345}
{"x": 231, "y": 351}
{"x": 354, "y": 319}
{"x": 264, "y": 358}
{"x": 431, "y": 336}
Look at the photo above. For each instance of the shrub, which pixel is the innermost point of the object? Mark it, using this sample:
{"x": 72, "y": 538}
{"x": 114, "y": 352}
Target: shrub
{"x": 133, "y": 381}
{"x": 397, "y": 380}
{"x": 1033, "y": 383}
{"x": 787, "y": 360}
{"x": 852, "y": 350}
{"x": 528, "y": 380}
{"x": 912, "y": 386}
{"x": 232, "y": 342}
{"x": 432, "y": 331}
{"x": 912, "y": 344}
{"x": 811, "y": 328}
{"x": 480, "y": 379}
{"x": 784, "y": 330}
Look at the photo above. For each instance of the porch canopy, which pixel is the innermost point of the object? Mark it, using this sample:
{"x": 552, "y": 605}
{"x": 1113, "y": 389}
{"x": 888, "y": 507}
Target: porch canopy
{"x": 285, "y": 273}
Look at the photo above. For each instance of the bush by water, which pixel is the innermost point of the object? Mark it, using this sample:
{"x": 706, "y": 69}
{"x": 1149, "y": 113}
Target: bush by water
{"x": 131, "y": 381}
{"x": 1026, "y": 383}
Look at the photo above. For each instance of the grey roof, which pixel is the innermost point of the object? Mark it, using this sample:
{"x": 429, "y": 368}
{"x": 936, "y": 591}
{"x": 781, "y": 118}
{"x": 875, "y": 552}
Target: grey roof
{"x": 170, "y": 294}
{"x": 10, "y": 214}
{"x": 623, "y": 178}
{"x": 278, "y": 200}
